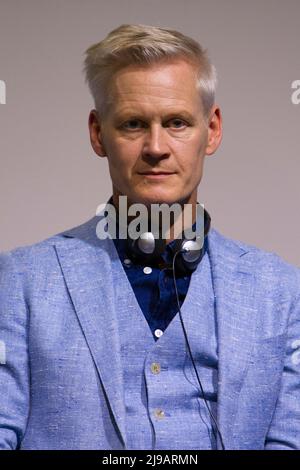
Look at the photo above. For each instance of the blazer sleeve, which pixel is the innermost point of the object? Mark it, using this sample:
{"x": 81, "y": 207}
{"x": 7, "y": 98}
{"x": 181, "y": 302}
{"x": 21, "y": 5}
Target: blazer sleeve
{"x": 284, "y": 431}
{"x": 14, "y": 363}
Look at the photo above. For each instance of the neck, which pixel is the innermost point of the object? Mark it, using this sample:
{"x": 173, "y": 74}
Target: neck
{"x": 170, "y": 224}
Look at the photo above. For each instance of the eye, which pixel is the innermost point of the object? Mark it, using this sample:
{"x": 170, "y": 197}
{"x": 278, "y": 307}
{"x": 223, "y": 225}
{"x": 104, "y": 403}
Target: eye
{"x": 177, "y": 123}
{"x": 132, "y": 124}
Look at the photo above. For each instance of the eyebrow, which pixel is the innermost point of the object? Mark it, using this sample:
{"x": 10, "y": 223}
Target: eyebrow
{"x": 169, "y": 115}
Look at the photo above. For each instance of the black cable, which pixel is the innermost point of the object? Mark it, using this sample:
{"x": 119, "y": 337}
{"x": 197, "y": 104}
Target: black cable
{"x": 190, "y": 353}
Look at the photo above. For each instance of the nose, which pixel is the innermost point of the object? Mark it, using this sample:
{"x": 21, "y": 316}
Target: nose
{"x": 155, "y": 143}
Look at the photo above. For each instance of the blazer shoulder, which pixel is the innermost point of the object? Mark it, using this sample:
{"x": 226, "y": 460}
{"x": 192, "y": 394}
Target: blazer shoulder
{"x": 266, "y": 264}
{"x": 41, "y": 250}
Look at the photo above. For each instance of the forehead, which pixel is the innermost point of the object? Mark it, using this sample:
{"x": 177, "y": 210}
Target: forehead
{"x": 172, "y": 82}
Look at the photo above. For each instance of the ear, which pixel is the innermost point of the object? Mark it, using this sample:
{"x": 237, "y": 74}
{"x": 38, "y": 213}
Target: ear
{"x": 95, "y": 133}
{"x": 214, "y": 130}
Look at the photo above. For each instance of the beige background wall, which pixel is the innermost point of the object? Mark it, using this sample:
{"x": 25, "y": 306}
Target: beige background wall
{"x": 50, "y": 179}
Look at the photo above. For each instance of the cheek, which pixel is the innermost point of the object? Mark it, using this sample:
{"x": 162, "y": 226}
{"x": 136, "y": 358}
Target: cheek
{"x": 200, "y": 144}
{"x": 193, "y": 144}
{"x": 192, "y": 155}
{"x": 123, "y": 157}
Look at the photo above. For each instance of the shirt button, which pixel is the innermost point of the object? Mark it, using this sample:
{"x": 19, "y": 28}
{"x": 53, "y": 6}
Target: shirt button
{"x": 127, "y": 261}
{"x": 147, "y": 270}
{"x": 159, "y": 414}
{"x": 158, "y": 333}
{"x": 155, "y": 368}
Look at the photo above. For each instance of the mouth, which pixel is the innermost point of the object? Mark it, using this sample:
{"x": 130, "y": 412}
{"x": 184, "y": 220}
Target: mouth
{"x": 157, "y": 174}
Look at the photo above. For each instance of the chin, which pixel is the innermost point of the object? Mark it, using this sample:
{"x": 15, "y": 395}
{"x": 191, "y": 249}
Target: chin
{"x": 156, "y": 198}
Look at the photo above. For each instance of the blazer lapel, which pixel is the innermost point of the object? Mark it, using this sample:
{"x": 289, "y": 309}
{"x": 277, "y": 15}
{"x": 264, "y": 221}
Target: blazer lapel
{"x": 234, "y": 284}
{"x": 86, "y": 265}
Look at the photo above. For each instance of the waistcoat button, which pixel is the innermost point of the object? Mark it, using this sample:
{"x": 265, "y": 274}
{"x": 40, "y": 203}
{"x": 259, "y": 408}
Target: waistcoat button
{"x": 159, "y": 414}
{"x": 155, "y": 368}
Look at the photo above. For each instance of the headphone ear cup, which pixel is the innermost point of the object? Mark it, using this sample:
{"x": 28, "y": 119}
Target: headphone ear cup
{"x": 189, "y": 257}
{"x": 146, "y": 248}
{"x": 191, "y": 250}
{"x": 146, "y": 243}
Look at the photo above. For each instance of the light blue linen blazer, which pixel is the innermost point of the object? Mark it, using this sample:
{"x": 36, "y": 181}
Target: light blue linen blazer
{"x": 60, "y": 368}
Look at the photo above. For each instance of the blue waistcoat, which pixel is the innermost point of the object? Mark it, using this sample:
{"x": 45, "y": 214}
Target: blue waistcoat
{"x": 161, "y": 391}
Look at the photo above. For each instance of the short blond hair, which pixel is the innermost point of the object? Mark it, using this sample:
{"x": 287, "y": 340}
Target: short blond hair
{"x": 145, "y": 45}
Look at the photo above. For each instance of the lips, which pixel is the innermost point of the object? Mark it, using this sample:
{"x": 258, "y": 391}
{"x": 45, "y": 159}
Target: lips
{"x": 156, "y": 173}
{"x": 156, "y": 176}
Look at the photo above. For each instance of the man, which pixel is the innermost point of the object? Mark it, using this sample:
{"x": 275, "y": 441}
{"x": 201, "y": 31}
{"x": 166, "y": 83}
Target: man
{"x": 100, "y": 350}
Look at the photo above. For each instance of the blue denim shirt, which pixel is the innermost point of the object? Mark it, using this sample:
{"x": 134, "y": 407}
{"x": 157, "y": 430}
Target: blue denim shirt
{"x": 154, "y": 286}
